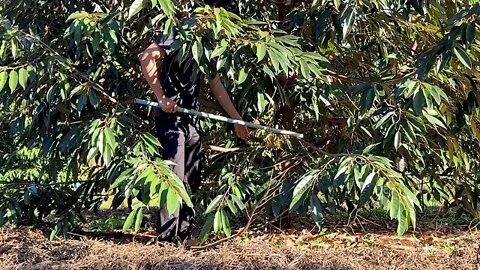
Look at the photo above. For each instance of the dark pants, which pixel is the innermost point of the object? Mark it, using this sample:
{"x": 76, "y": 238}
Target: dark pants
{"x": 181, "y": 144}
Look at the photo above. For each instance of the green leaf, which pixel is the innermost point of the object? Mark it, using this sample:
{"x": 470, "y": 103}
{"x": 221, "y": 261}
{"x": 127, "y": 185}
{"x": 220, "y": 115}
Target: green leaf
{"x": 23, "y": 77}
{"x": 383, "y": 119}
{"x": 413, "y": 217}
{"x": 394, "y": 205}
{"x": 410, "y": 86}
{"x": 175, "y": 183}
{"x": 242, "y": 76}
{"x": 397, "y": 141}
{"x": 55, "y": 231}
{"x": 112, "y": 35}
{"x": 337, "y": 3}
{"x": 367, "y": 189}
{"x": 135, "y": 7}
{"x": 359, "y": 173}
{"x": 197, "y": 50}
{"x": 206, "y": 228}
{"x": 78, "y": 15}
{"x": 470, "y": 33}
{"x": 411, "y": 197}
{"x": 109, "y": 138}
{"x": 402, "y": 220}
{"x": 428, "y": 99}
{"x": 268, "y": 71}
{"x": 433, "y": 120}
{"x": 154, "y": 3}
{"x": 13, "y": 80}
{"x": 418, "y": 101}
{"x": 369, "y": 148}
{"x": 389, "y": 133}
{"x": 162, "y": 193}
{"x": 440, "y": 92}
{"x": 107, "y": 155}
{"x": 408, "y": 202}
{"x": 341, "y": 178}
{"x": 129, "y": 221}
{"x": 317, "y": 210}
{"x": 261, "y": 51}
{"x": 167, "y": 7}
{"x": 225, "y": 224}
{"x": 150, "y": 139}
{"x": 274, "y": 60}
{"x": 3, "y": 79}
{"x": 463, "y": 56}
{"x": 445, "y": 58}
{"x": 302, "y": 186}
{"x": 238, "y": 202}
{"x": 124, "y": 176}
{"x": 213, "y": 204}
{"x": 232, "y": 206}
{"x": 426, "y": 63}
{"x": 217, "y": 222}
{"x": 315, "y": 70}
{"x": 138, "y": 220}
{"x": 315, "y": 56}
{"x": 368, "y": 97}
{"x": 172, "y": 201}
{"x": 14, "y": 48}
{"x": 81, "y": 101}
{"x": 291, "y": 40}
{"x": 219, "y": 50}
{"x": 349, "y": 17}
{"x": 304, "y": 68}
{"x": 283, "y": 59}
{"x": 261, "y": 103}
{"x": 3, "y": 50}
{"x": 410, "y": 134}
{"x": 77, "y": 89}
{"x": 221, "y": 62}
{"x": 92, "y": 153}
{"x": 434, "y": 93}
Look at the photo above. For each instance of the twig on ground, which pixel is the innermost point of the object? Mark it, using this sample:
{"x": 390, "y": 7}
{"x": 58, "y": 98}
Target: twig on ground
{"x": 369, "y": 221}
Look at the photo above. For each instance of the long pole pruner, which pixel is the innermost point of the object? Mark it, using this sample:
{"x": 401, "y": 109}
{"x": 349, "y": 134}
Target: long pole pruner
{"x": 223, "y": 119}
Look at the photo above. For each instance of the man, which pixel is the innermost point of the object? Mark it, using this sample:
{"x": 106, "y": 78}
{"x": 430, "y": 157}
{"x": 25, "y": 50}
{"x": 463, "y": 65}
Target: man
{"x": 179, "y": 84}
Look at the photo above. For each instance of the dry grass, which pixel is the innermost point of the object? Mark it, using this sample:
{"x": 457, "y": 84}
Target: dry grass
{"x": 24, "y": 248}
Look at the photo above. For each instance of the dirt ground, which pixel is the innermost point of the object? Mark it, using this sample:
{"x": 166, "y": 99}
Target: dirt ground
{"x": 338, "y": 248}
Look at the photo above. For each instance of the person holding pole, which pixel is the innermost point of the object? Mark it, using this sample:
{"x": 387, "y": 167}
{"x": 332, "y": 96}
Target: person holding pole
{"x": 178, "y": 84}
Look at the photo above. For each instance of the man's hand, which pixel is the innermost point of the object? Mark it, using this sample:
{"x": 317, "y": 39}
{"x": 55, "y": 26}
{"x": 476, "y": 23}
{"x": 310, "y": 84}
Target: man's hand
{"x": 242, "y": 132}
{"x": 167, "y": 104}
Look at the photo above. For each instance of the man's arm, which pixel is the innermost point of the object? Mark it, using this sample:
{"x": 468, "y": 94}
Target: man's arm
{"x": 222, "y": 97}
{"x": 148, "y": 60}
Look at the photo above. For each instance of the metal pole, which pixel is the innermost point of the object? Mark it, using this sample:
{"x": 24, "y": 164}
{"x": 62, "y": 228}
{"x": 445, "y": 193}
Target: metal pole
{"x": 222, "y": 118}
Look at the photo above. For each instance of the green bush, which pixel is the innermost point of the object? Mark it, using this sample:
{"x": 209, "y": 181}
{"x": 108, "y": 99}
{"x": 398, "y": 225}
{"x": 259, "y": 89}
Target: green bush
{"x": 384, "y": 91}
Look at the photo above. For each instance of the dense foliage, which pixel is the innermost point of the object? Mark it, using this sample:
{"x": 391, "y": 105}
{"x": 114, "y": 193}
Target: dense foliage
{"x": 384, "y": 91}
